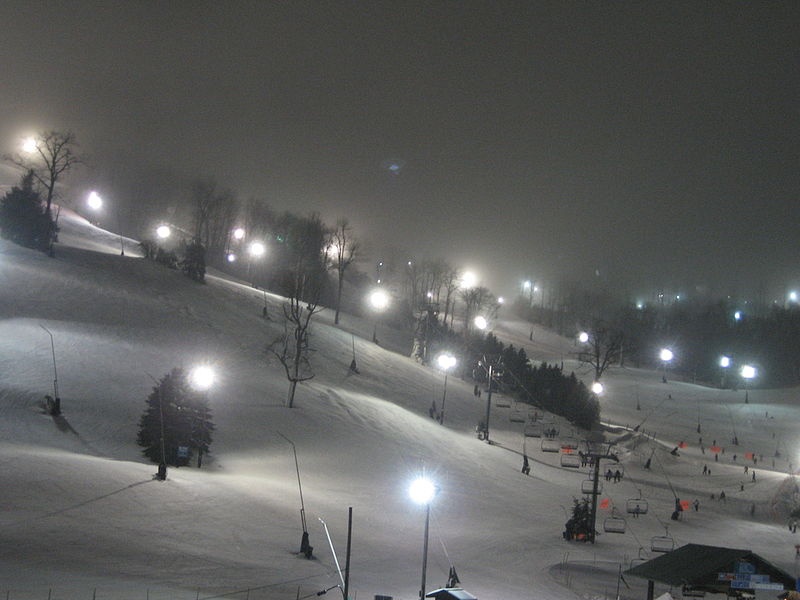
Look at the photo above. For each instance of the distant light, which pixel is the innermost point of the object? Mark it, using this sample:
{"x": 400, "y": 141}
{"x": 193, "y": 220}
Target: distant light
{"x": 737, "y": 315}
{"x": 409, "y": 263}
{"x": 597, "y": 388}
{"x": 379, "y": 299}
{"x": 429, "y": 295}
{"x": 94, "y": 201}
{"x": 202, "y": 377}
{"x": 678, "y": 297}
{"x": 666, "y": 354}
{"x": 446, "y": 361}
{"x": 231, "y": 257}
{"x": 163, "y": 231}
{"x": 792, "y": 296}
{"x": 468, "y": 280}
{"x": 422, "y": 490}
{"x": 640, "y": 305}
{"x": 257, "y": 249}
{"x": 583, "y": 337}
{"x": 29, "y": 145}
{"x": 481, "y": 322}
{"x": 238, "y": 233}
{"x": 526, "y": 285}
{"x": 725, "y": 362}
{"x": 501, "y": 300}
{"x": 748, "y": 372}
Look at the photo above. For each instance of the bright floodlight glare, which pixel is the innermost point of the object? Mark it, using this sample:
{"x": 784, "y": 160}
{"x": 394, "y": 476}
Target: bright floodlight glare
{"x": 257, "y": 249}
{"x": 583, "y": 337}
{"x": 94, "y": 201}
{"x": 725, "y": 362}
{"x": 29, "y": 144}
{"x": 202, "y": 377}
{"x": 737, "y": 315}
{"x": 501, "y": 300}
{"x": 163, "y": 231}
{"x": 526, "y": 285}
{"x": 468, "y": 280}
{"x": 793, "y": 296}
{"x": 238, "y": 233}
{"x": 379, "y": 299}
{"x": 422, "y": 490}
{"x": 666, "y": 354}
{"x": 748, "y": 371}
{"x": 481, "y": 322}
{"x": 597, "y": 387}
{"x": 446, "y": 361}
{"x": 231, "y": 257}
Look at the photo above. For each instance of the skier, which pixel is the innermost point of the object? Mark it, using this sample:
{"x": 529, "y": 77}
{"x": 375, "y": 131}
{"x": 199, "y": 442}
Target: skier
{"x": 526, "y": 467}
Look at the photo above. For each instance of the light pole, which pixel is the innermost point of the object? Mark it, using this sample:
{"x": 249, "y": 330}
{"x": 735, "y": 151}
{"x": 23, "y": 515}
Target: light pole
{"x": 254, "y": 250}
{"x": 422, "y": 491}
{"x": 666, "y": 356}
{"x": 56, "y": 408}
{"x": 446, "y": 362}
{"x": 747, "y": 372}
{"x": 201, "y": 378}
{"x": 724, "y": 363}
{"x": 162, "y": 466}
{"x": 378, "y": 300}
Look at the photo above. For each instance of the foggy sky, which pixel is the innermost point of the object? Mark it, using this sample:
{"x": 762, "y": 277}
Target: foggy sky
{"x": 640, "y": 145}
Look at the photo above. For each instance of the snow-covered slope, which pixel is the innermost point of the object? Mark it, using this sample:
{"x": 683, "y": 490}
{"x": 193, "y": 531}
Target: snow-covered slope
{"x": 81, "y": 512}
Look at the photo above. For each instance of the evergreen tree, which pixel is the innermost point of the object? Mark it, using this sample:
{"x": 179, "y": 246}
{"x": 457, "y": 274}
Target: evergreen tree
{"x": 185, "y": 416}
{"x": 23, "y": 219}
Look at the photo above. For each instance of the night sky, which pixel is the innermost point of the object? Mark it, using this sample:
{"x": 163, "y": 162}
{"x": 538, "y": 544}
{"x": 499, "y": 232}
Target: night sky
{"x": 640, "y": 145}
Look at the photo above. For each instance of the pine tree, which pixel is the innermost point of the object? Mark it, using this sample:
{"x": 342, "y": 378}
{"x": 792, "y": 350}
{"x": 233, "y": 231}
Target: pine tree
{"x": 23, "y": 219}
{"x": 194, "y": 261}
{"x": 185, "y": 416}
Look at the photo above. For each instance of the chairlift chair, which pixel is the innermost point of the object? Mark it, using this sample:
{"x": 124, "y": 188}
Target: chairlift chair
{"x": 662, "y": 543}
{"x": 515, "y": 416}
{"x": 573, "y": 461}
{"x": 569, "y": 442}
{"x": 502, "y": 402}
{"x": 587, "y": 486}
{"x": 551, "y": 445}
{"x": 636, "y": 506}
{"x": 639, "y": 559}
{"x": 614, "y": 524}
{"x": 533, "y": 430}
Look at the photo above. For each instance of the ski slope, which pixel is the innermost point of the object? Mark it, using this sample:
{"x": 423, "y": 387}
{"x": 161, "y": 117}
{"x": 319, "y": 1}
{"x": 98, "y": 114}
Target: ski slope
{"x": 82, "y": 516}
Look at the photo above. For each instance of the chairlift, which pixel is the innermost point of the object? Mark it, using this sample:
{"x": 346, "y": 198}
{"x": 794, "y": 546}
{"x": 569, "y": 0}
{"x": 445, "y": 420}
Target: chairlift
{"x": 639, "y": 559}
{"x": 515, "y": 416}
{"x": 573, "y": 461}
{"x": 570, "y": 443}
{"x": 587, "y": 486}
{"x": 533, "y": 430}
{"x": 662, "y": 543}
{"x": 614, "y": 523}
{"x": 636, "y": 506}
{"x": 502, "y": 402}
{"x": 551, "y": 445}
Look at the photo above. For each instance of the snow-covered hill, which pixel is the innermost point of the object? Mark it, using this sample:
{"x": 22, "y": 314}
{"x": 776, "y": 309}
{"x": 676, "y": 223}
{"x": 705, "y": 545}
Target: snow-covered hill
{"x": 81, "y": 514}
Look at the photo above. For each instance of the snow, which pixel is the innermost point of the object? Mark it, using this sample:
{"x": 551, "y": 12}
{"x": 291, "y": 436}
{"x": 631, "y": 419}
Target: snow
{"x": 82, "y": 515}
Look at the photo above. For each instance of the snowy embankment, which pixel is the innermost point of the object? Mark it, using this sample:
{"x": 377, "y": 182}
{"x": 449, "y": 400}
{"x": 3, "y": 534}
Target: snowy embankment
{"x": 81, "y": 511}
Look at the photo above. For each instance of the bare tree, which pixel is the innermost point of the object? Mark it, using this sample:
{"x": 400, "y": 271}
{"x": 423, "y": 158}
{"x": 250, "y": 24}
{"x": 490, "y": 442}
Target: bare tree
{"x": 343, "y": 251}
{"x": 305, "y": 253}
{"x": 213, "y": 213}
{"x": 450, "y": 281}
{"x": 478, "y": 300}
{"x": 602, "y": 348}
{"x": 53, "y": 154}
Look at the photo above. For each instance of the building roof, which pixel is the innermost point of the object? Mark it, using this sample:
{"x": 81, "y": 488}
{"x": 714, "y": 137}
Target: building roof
{"x": 706, "y": 567}
{"x": 450, "y": 594}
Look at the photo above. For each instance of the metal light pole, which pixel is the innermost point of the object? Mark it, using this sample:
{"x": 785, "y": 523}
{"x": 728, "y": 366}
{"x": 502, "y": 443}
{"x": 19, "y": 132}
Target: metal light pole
{"x": 422, "y": 491}
{"x": 446, "y": 362}
{"x": 56, "y": 410}
{"x": 162, "y": 467}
